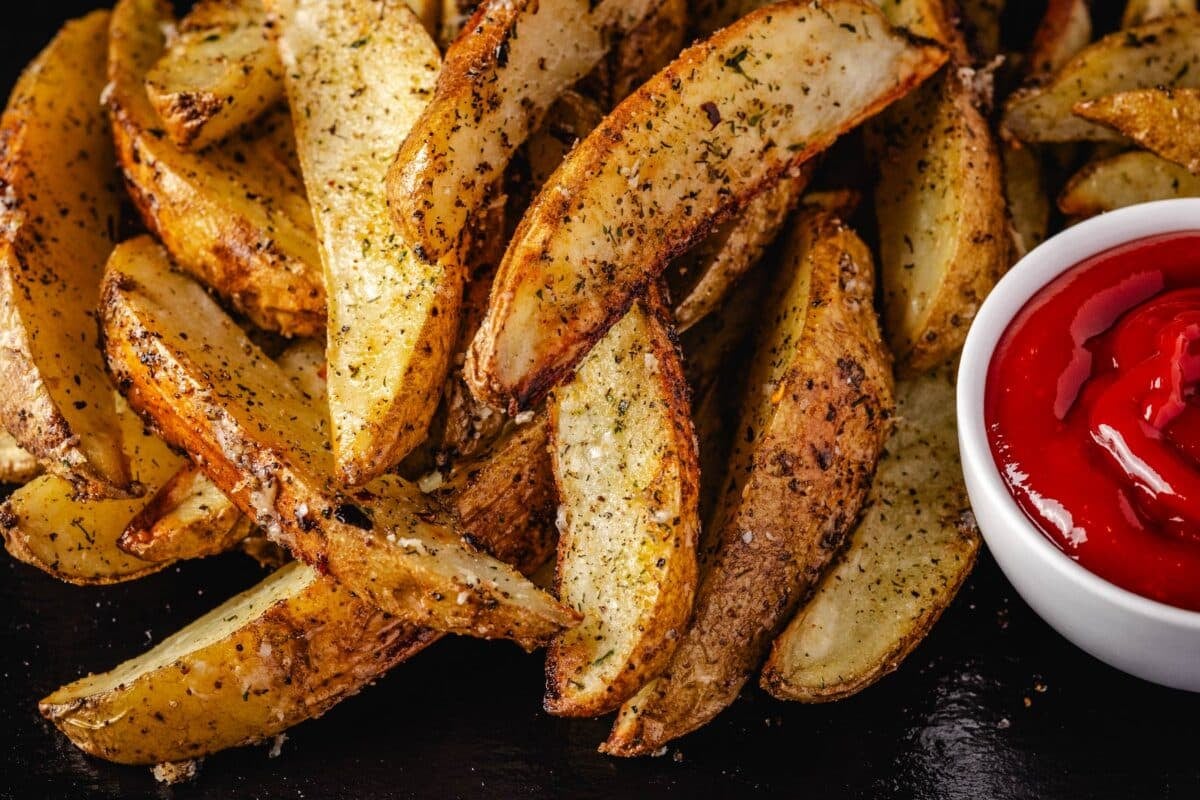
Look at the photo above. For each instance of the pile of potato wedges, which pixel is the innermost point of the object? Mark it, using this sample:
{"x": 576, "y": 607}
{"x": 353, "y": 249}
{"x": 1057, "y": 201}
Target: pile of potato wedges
{"x": 623, "y": 328}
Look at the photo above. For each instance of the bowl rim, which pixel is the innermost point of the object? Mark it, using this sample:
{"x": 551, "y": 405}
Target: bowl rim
{"x": 1030, "y": 274}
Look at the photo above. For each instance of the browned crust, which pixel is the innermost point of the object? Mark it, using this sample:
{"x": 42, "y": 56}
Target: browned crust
{"x": 1164, "y": 121}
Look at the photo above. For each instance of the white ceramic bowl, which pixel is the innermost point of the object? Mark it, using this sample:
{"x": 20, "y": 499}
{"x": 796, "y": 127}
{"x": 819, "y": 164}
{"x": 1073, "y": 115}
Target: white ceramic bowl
{"x": 1143, "y": 637}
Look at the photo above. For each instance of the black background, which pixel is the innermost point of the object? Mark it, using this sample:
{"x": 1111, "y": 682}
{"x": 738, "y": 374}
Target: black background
{"x": 993, "y": 705}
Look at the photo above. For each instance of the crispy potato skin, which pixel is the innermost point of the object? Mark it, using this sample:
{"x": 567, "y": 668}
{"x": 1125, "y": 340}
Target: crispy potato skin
{"x": 1164, "y": 121}
{"x": 58, "y": 217}
{"x": 801, "y": 467}
{"x": 235, "y": 216}
{"x": 630, "y": 517}
{"x": 499, "y": 81}
{"x": 659, "y": 173}
{"x": 1124, "y": 180}
{"x": 907, "y": 558}
{"x": 943, "y": 228}
{"x": 265, "y": 446}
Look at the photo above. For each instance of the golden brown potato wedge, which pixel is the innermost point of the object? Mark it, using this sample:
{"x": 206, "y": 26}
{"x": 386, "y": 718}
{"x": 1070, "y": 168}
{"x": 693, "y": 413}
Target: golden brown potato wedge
{"x": 1065, "y": 29}
{"x": 358, "y": 74}
{"x": 264, "y": 443}
{"x": 16, "y": 465}
{"x": 217, "y": 74}
{"x": 1026, "y": 194}
{"x": 943, "y": 232}
{"x": 500, "y": 78}
{"x": 572, "y": 117}
{"x": 1164, "y": 121}
{"x": 1165, "y": 52}
{"x": 1125, "y": 180}
{"x": 727, "y": 120}
{"x": 626, "y": 467}
{"x": 647, "y": 48}
{"x": 907, "y": 558}
{"x": 1139, "y": 11}
{"x": 814, "y": 418}
{"x": 75, "y": 540}
{"x": 58, "y": 215}
{"x": 232, "y": 216}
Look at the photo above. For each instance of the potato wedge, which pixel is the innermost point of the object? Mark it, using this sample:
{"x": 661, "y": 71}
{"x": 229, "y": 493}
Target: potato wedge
{"x": 568, "y": 122}
{"x": 1125, "y": 180}
{"x": 1065, "y": 29}
{"x": 982, "y": 18}
{"x": 646, "y": 48}
{"x": 16, "y": 465}
{"x": 1164, "y": 121}
{"x": 1139, "y": 11}
{"x": 232, "y": 216}
{"x": 907, "y": 558}
{"x": 219, "y": 73}
{"x": 1026, "y": 195}
{"x": 264, "y": 443}
{"x": 814, "y": 418}
{"x": 626, "y": 467}
{"x": 503, "y": 82}
{"x": 358, "y": 74}
{"x": 1165, "y": 52}
{"x": 685, "y": 152}
{"x": 75, "y": 540}
{"x": 454, "y": 16}
{"x": 943, "y": 232}
{"x": 58, "y": 216}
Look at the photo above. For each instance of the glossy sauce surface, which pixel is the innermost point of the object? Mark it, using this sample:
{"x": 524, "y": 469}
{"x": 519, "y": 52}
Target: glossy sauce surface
{"x": 1094, "y": 417}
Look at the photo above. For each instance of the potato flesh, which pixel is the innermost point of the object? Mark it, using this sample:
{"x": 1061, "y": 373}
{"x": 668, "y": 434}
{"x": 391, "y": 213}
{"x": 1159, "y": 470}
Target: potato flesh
{"x": 1164, "y": 121}
{"x": 912, "y": 550}
{"x": 625, "y": 463}
{"x": 659, "y": 172}
{"x": 264, "y": 443}
{"x": 75, "y": 540}
{"x": 1140, "y": 11}
{"x": 1161, "y": 53}
{"x": 813, "y": 421}
{"x": 59, "y": 214}
{"x": 235, "y": 216}
{"x": 1124, "y": 180}
{"x": 16, "y": 465}
{"x": 358, "y": 74}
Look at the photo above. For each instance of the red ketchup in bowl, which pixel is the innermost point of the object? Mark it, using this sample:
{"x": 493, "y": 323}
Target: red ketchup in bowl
{"x": 1093, "y": 415}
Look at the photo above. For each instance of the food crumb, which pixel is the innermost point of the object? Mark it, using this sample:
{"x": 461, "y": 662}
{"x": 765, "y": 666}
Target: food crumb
{"x": 678, "y": 757}
{"x": 523, "y": 417}
{"x": 660, "y": 752}
{"x": 171, "y": 772}
{"x": 277, "y": 746}
{"x": 1004, "y": 724}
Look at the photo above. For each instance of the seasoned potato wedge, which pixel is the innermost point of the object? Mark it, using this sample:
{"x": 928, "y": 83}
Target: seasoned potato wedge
{"x": 1165, "y": 52}
{"x": 234, "y": 216}
{"x": 58, "y": 216}
{"x": 454, "y": 16}
{"x": 626, "y": 467}
{"x": 1124, "y": 180}
{"x": 1164, "y": 121}
{"x": 1139, "y": 11}
{"x": 907, "y": 558}
{"x": 714, "y": 266}
{"x": 264, "y": 443}
{"x": 814, "y": 419}
{"x": 219, "y": 73}
{"x": 16, "y": 465}
{"x": 727, "y": 120}
{"x": 501, "y": 79}
{"x": 75, "y": 540}
{"x": 1065, "y": 29}
{"x": 648, "y": 47}
{"x": 933, "y": 19}
{"x": 1026, "y": 195}
{"x": 572, "y": 117}
{"x": 358, "y": 73}
{"x": 943, "y": 232}
{"x": 189, "y": 517}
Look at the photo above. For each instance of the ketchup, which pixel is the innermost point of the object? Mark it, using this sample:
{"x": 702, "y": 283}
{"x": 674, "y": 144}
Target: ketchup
{"x": 1093, "y": 414}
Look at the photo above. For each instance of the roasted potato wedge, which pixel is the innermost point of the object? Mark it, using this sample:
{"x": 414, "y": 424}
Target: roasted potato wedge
{"x": 217, "y": 74}
{"x": 628, "y": 475}
{"x": 58, "y": 216}
{"x": 75, "y": 540}
{"x": 572, "y": 117}
{"x": 1027, "y": 197}
{"x": 265, "y": 444}
{"x": 1065, "y": 29}
{"x": 16, "y": 465}
{"x": 365, "y": 69}
{"x": 1161, "y": 53}
{"x": 234, "y": 216}
{"x": 1125, "y": 180}
{"x": 1164, "y": 121}
{"x": 814, "y": 419}
{"x": 503, "y": 82}
{"x": 454, "y": 17}
{"x": 727, "y": 120}
{"x": 1139, "y": 11}
{"x": 907, "y": 558}
{"x": 943, "y": 232}
{"x": 648, "y": 47}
